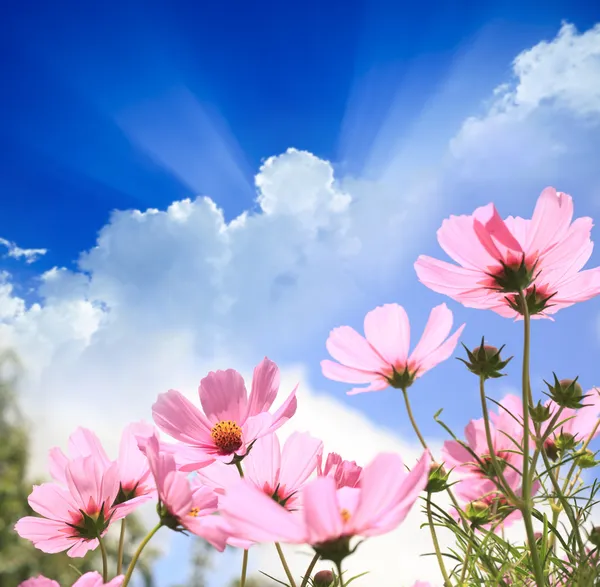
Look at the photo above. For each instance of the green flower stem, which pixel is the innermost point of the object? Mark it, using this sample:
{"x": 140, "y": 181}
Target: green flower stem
{"x": 501, "y": 480}
{"x": 309, "y": 570}
{"x": 284, "y": 564}
{"x": 540, "y": 441}
{"x": 526, "y": 505}
{"x": 121, "y": 547}
{"x": 463, "y": 573}
{"x": 455, "y": 503}
{"x": 244, "y": 569}
{"x": 238, "y": 466}
{"x": 340, "y": 581}
{"x": 436, "y": 544}
{"x": 412, "y": 419}
{"x": 564, "y": 502}
{"x": 104, "y": 560}
{"x": 574, "y": 465}
{"x": 138, "y": 552}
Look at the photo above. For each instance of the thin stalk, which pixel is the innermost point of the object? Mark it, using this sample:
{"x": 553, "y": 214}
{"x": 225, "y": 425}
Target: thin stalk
{"x": 574, "y": 465}
{"x": 463, "y": 573}
{"x": 501, "y": 480}
{"x": 309, "y": 570}
{"x": 245, "y": 556}
{"x": 104, "y": 560}
{"x": 436, "y": 544}
{"x": 121, "y": 548}
{"x": 412, "y": 419}
{"x": 449, "y": 491}
{"x": 564, "y": 502}
{"x": 285, "y": 565}
{"x": 527, "y": 478}
{"x": 340, "y": 581}
{"x": 244, "y": 569}
{"x": 138, "y": 552}
{"x": 541, "y": 440}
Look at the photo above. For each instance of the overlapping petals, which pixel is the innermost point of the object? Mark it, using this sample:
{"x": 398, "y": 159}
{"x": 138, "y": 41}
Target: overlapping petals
{"x": 385, "y": 496}
{"x": 182, "y": 504}
{"x": 543, "y": 256}
{"x": 136, "y": 485}
{"x": 279, "y": 472}
{"x": 72, "y": 517}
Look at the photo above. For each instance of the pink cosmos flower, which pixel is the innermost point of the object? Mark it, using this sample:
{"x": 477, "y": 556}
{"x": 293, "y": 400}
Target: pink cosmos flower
{"x": 500, "y": 513}
{"x": 345, "y": 473}
{"x": 477, "y": 474}
{"x": 496, "y": 258}
{"x": 330, "y": 515}
{"x": 231, "y": 421}
{"x": 94, "y": 579}
{"x": 73, "y": 516}
{"x": 136, "y": 484}
{"x": 181, "y": 504}
{"x": 577, "y": 425}
{"x": 381, "y": 358}
{"x": 279, "y": 473}
{"x": 39, "y": 581}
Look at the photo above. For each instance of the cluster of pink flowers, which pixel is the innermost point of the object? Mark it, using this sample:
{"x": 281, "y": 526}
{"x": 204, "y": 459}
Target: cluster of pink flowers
{"x": 249, "y": 488}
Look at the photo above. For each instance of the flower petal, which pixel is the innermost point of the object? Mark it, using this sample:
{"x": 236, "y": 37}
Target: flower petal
{"x": 387, "y": 329}
{"x": 223, "y": 396}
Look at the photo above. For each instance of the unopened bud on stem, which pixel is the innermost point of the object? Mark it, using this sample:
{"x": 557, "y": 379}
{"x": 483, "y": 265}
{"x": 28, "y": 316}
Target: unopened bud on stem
{"x": 324, "y": 579}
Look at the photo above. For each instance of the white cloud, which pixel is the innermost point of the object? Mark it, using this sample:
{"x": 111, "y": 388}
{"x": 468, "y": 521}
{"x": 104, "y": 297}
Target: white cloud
{"x": 16, "y": 252}
{"x": 546, "y": 117}
{"x": 166, "y": 295}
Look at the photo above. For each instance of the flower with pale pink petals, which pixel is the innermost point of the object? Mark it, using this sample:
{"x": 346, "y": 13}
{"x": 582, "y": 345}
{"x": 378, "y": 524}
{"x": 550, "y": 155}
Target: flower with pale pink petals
{"x": 73, "y": 517}
{"x": 381, "y": 358}
{"x": 180, "y": 504}
{"x": 330, "y": 517}
{"x": 496, "y": 259}
{"x": 472, "y": 461}
{"x": 345, "y": 473}
{"x": 230, "y": 421}
{"x": 94, "y": 579}
{"x": 279, "y": 472}
{"x": 39, "y": 581}
{"x": 136, "y": 485}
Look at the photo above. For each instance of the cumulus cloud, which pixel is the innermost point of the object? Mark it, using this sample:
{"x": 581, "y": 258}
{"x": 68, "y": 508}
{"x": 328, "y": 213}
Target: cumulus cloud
{"x": 166, "y": 295}
{"x": 546, "y": 116}
{"x": 16, "y": 252}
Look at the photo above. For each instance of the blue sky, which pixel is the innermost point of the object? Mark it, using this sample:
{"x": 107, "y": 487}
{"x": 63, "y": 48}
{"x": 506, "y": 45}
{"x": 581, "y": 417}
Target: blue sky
{"x": 416, "y": 111}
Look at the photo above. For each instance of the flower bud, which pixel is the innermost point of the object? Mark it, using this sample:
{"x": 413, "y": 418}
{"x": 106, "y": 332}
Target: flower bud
{"x": 485, "y": 361}
{"x": 567, "y": 393}
{"x": 594, "y": 536}
{"x": 323, "y": 579}
{"x": 585, "y": 459}
{"x": 438, "y": 479}
{"x": 478, "y": 513}
{"x": 565, "y": 442}
{"x": 539, "y": 413}
{"x": 551, "y": 449}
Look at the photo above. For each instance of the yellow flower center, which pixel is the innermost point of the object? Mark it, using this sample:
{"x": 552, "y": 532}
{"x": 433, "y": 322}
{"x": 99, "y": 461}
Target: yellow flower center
{"x": 345, "y": 515}
{"x": 227, "y": 436}
{"x": 194, "y": 512}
